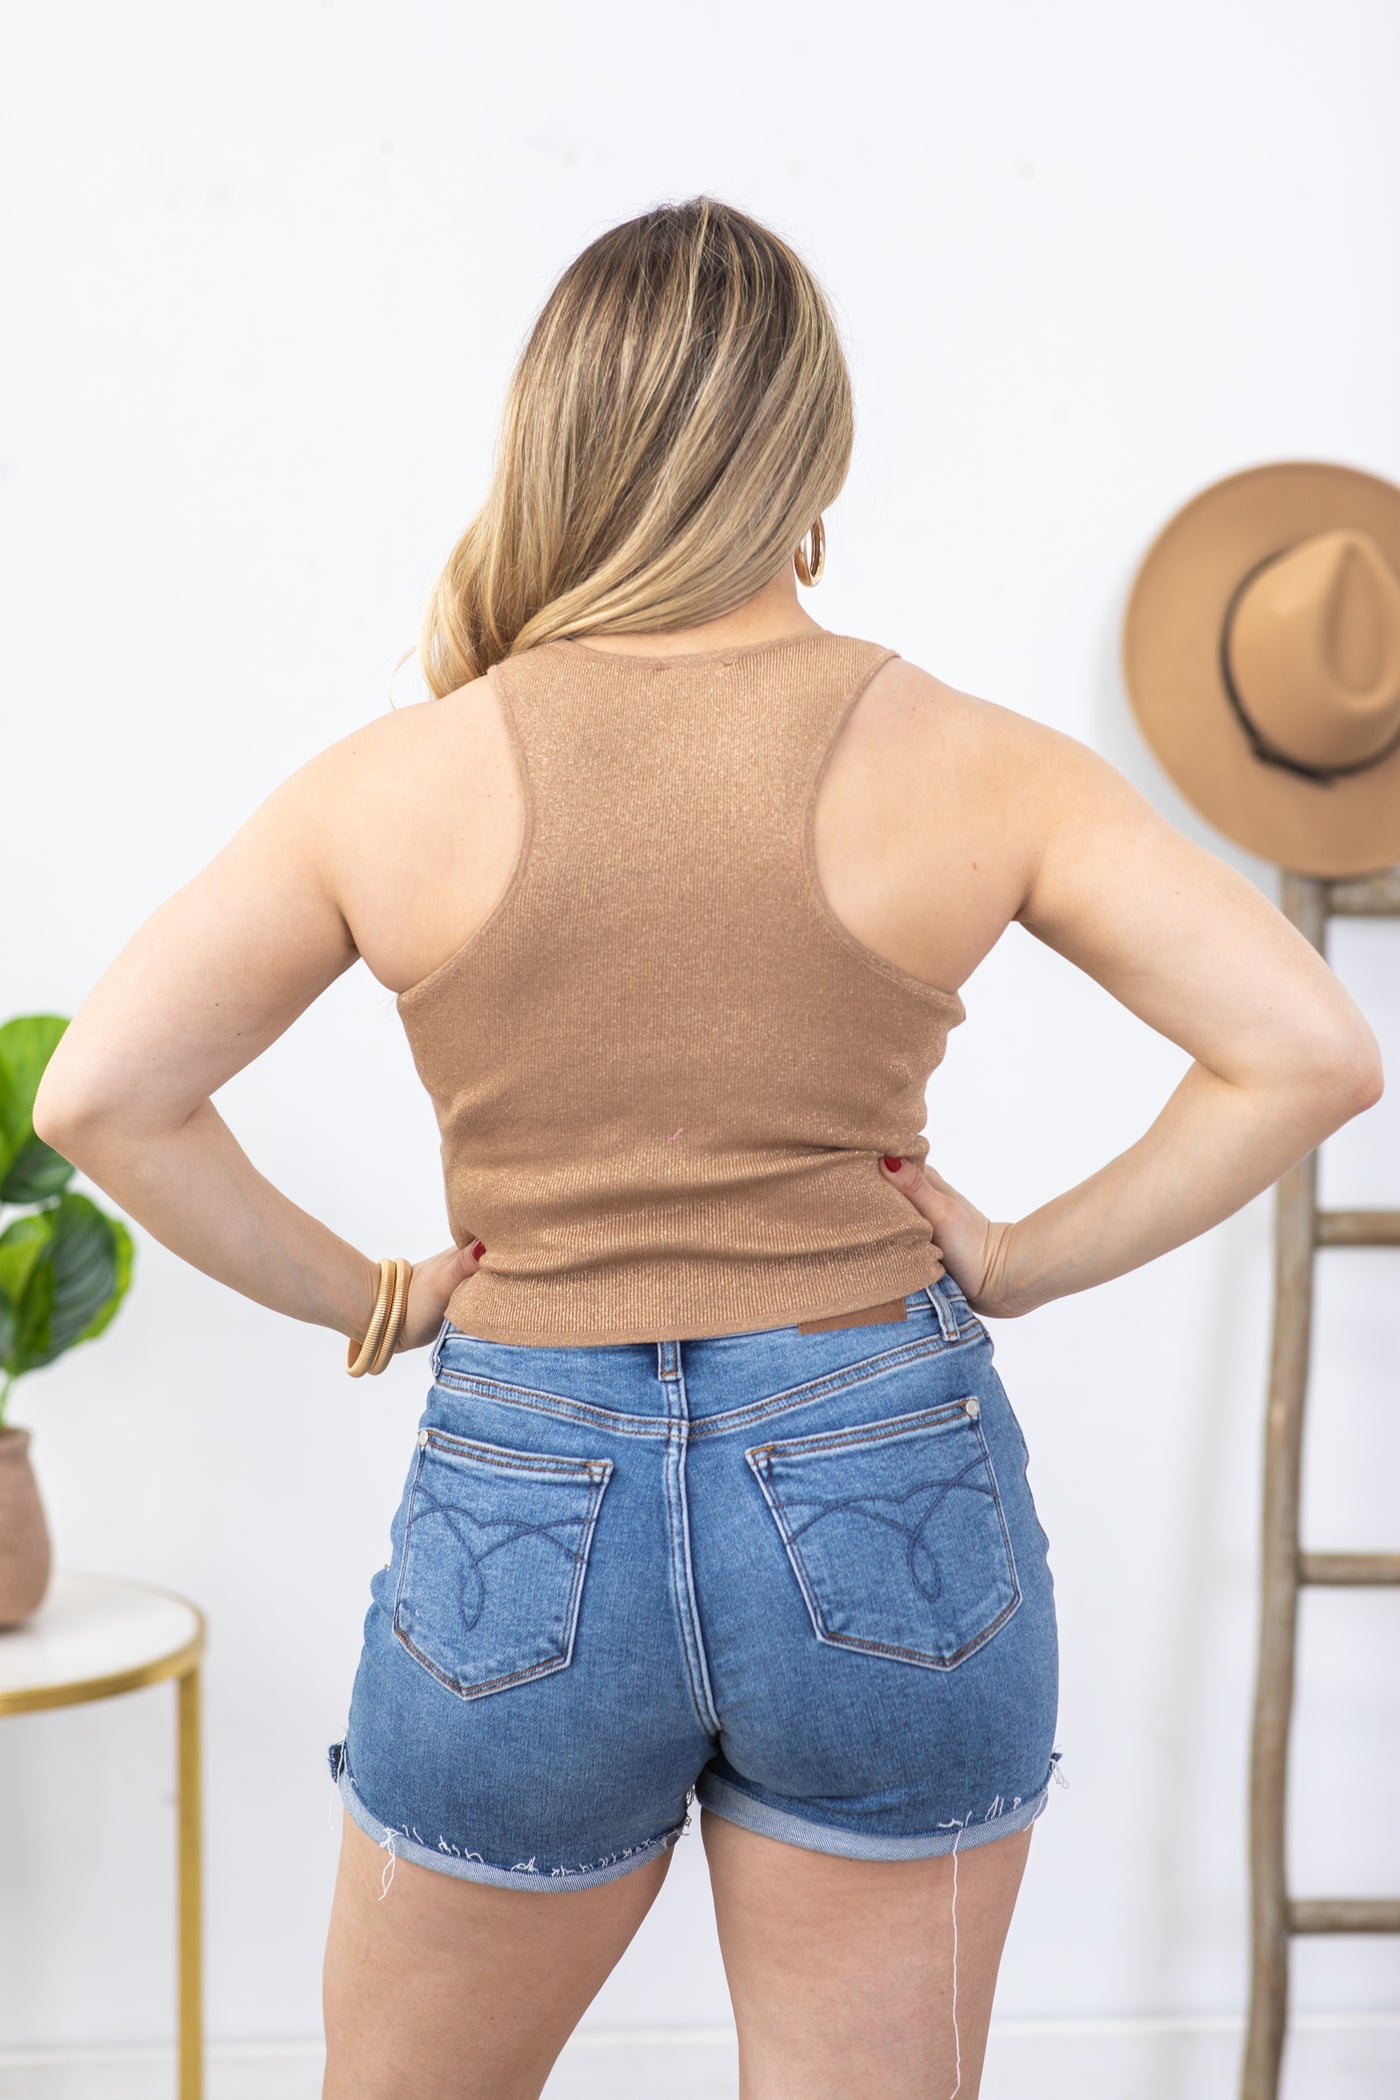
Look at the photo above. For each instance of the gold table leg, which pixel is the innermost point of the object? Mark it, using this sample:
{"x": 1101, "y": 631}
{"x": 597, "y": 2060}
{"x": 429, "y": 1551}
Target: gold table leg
{"x": 191, "y": 1895}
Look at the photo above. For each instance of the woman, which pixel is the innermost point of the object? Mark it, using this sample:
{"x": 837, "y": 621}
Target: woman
{"x": 717, "y": 1495}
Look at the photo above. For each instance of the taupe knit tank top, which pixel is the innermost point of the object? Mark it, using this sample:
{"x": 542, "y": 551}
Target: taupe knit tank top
{"x": 663, "y": 1070}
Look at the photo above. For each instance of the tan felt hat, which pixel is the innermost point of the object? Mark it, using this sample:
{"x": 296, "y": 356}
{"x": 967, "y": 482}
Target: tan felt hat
{"x": 1261, "y": 652}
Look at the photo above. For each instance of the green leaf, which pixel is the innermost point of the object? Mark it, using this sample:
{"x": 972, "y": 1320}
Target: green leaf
{"x": 26, "y": 1279}
{"x": 35, "y": 1173}
{"x": 83, "y": 1263}
{"x": 30, "y": 1170}
{"x": 63, "y": 1271}
{"x": 33, "y": 1342}
{"x": 23, "y": 1245}
{"x": 124, "y": 1250}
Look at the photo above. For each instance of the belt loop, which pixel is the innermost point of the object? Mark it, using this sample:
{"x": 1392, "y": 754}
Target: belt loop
{"x": 947, "y": 1317}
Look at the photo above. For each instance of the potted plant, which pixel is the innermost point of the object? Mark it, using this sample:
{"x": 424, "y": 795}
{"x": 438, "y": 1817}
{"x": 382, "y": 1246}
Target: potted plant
{"x": 64, "y": 1269}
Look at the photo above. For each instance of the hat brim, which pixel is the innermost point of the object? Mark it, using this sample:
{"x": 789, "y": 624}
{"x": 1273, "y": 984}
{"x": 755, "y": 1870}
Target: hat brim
{"x": 1171, "y": 666}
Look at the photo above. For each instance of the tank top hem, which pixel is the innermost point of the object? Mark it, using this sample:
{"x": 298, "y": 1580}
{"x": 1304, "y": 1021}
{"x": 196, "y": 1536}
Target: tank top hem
{"x": 558, "y": 1317}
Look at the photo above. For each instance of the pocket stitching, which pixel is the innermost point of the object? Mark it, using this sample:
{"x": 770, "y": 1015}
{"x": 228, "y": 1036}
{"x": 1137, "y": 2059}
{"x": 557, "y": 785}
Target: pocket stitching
{"x": 598, "y": 1473}
{"x": 758, "y": 1454}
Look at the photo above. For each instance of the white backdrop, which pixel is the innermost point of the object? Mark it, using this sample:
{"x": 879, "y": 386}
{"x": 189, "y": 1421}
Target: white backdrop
{"x": 269, "y": 267}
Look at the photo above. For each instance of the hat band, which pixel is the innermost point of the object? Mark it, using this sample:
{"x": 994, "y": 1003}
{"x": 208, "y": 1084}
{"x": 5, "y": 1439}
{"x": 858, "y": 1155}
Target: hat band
{"x": 1269, "y": 754}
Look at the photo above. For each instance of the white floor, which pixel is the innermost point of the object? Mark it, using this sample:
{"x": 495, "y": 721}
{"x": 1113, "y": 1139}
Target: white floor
{"x": 1328, "y": 2059}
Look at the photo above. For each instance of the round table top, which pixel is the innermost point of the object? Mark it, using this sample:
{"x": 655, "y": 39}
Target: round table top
{"x": 94, "y": 1635}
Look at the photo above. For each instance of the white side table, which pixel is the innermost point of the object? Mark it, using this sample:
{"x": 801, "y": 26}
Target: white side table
{"x": 93, "y": 1636}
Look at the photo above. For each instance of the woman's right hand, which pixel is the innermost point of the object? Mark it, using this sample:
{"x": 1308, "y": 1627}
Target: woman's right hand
{"x": 432, "y": 1283}
{"x": 973, "y": 1248}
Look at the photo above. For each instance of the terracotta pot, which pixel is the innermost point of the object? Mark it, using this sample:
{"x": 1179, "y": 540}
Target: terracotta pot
{"x": 25, "y": 1556}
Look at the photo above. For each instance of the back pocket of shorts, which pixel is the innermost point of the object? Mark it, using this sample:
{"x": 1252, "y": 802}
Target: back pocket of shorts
{"x": 495, "y": 1553}
{"x": 896, "y": 1534}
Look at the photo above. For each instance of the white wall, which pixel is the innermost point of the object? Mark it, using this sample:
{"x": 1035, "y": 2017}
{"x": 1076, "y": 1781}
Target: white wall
{"x": 270, "y": 266}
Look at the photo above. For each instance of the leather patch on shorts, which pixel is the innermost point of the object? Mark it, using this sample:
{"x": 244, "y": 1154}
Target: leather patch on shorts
{"x": 868, "y": 1316}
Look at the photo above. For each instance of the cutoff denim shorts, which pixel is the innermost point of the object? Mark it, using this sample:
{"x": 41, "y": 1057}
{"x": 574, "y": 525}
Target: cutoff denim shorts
{"x": 796, "y": 1576}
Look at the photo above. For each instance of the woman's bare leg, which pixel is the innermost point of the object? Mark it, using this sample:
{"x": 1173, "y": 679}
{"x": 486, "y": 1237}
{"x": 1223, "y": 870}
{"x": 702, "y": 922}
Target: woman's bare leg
{"x": 448, "y": 1989}
{"x": 841, "y": 1970}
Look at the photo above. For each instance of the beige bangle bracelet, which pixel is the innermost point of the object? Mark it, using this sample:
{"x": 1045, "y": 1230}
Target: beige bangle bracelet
{"x": 359, "y": 1355}
{"x": 393, "y": 1326}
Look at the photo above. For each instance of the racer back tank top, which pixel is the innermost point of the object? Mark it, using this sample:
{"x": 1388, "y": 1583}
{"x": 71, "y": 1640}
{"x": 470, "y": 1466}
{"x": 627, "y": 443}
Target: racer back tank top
{"x": 663, "y": 1071}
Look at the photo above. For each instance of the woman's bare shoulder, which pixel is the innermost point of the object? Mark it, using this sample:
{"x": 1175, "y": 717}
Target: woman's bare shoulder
{"x": 984, "y": 733}
{"x": 405, "y": 783}
{"x": 401, "y": 737}
{"x": 1033, "y": 781}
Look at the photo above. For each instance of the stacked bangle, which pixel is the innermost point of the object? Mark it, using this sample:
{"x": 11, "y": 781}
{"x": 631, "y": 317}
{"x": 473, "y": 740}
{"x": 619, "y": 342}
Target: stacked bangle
{"x": 385, "y": 1322}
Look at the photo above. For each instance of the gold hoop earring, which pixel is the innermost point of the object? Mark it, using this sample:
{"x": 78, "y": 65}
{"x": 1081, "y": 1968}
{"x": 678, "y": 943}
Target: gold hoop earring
{"x": 809, "y": 566}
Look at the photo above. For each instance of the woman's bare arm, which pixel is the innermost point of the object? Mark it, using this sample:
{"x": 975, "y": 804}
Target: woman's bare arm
{"x": 211, "y": 979}
{"x": 1282, "y": 1054}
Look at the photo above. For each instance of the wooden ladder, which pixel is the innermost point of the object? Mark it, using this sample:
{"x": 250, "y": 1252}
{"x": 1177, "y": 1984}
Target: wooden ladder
{"x": 1299, "y": 1227}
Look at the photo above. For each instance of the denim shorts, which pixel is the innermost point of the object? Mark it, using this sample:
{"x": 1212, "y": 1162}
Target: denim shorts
{"x": 795, "y": 1575}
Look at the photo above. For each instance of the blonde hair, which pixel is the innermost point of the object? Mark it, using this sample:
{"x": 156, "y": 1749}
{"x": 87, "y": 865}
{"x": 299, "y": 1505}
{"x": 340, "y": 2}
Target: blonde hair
{"x": 680, "y": 415}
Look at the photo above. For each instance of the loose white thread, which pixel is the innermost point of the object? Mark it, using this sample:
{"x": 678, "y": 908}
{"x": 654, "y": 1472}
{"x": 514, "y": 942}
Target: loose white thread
{"x": 957, "y": 2042}
{"x": 957, "y": 2038}
{"x": 388, "y": 1842}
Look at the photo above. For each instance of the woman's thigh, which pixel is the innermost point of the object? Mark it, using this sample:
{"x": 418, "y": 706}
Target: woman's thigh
{"x": 438, "y": 1988}
{"x": 851, "y": 1977}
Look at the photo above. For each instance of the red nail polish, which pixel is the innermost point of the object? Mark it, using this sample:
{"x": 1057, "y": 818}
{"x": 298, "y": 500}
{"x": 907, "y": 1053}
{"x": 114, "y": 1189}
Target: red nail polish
{"x": 478, "y": 1250}
{"x": 894, "y": 1165}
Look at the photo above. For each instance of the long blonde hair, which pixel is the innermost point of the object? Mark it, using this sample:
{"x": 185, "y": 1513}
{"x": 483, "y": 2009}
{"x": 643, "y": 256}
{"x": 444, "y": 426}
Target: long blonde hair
{"x": 679, "y": 416}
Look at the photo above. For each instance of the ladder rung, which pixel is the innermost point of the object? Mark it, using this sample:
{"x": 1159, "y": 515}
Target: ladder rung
{"x": 1345, "y": 1914}
{"x": 1364, "y": 897}
{"x": 1358, "y": 1569}
{"x": 1356, "y": 1228}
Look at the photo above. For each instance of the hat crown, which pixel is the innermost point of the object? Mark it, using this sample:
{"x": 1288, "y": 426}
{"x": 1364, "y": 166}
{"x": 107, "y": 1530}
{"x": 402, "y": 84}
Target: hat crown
{"x": 1313, "y": 649}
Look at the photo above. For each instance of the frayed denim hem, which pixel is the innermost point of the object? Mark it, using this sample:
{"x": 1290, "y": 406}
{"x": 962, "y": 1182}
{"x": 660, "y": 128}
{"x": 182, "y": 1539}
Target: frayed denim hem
{"x": 735, "y": 1806}
{"x": 403, "y": 1841}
